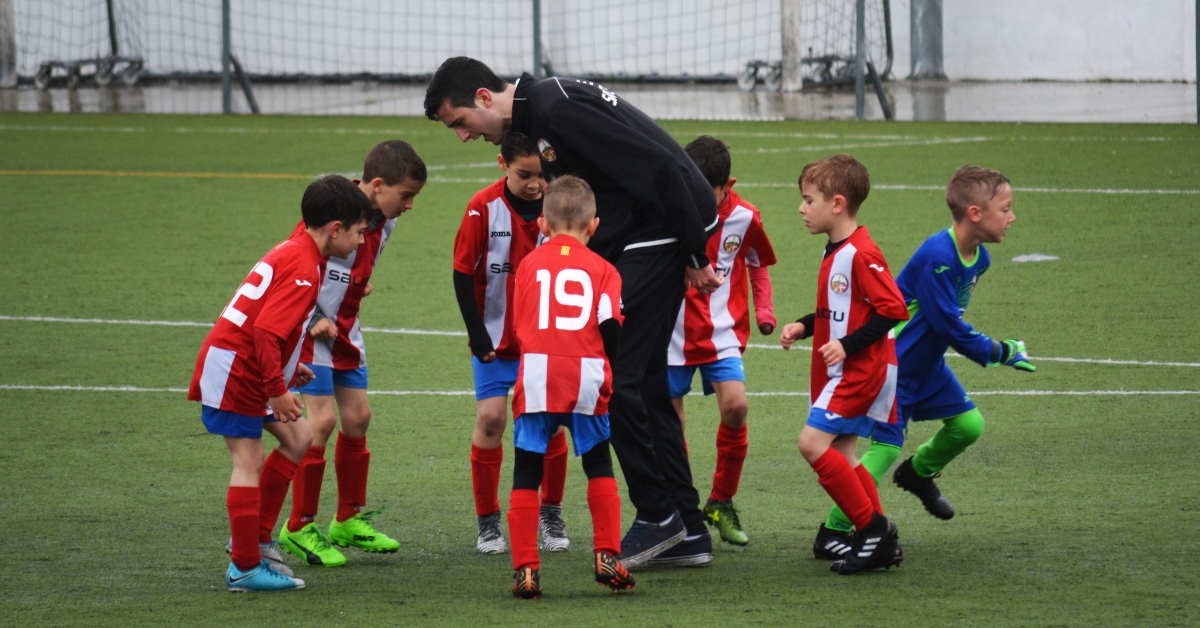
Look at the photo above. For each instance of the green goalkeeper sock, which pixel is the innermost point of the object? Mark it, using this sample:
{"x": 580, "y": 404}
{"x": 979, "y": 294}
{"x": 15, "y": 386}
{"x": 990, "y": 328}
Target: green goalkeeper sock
{"x": 957, "y": 433}
{"x": 877, "y": 459}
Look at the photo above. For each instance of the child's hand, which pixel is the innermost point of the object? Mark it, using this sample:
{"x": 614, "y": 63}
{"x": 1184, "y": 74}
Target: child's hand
{"x": 367, "y": 290}
{"x": 324, "y": 328}
{"x": 790, "y": 334}
{"x": 286, "y": 407}
{"x": 832, "y": 352}
{"x": 303, "y": 376}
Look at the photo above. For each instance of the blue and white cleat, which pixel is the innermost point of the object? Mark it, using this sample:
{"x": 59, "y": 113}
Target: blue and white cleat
{"x": 261, "y": 578}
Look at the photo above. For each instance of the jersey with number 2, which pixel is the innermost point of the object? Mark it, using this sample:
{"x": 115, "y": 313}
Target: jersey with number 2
{"x": 277, "y": 296}
{"x": 563, "y": 293}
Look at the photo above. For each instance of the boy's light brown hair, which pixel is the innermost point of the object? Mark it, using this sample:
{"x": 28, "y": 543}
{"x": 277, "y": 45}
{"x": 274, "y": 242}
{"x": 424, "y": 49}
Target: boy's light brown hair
{"x": 973, "y": 185}
{"x": 569, "y": 204}
{"x": 839, "y": 174}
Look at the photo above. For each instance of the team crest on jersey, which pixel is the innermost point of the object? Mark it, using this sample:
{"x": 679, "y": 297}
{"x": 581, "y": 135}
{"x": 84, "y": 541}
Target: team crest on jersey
{"x": 732, "y": 243}
{"x": 546, "y": 150}
{"x": 838, "y": 283}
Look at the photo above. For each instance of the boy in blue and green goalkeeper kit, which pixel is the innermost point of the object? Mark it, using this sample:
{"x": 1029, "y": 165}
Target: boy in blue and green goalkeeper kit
{"x": 937, "y": 284}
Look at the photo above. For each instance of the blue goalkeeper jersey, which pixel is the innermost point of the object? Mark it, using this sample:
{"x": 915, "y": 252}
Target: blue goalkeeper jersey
{"x": 937, "y": 285}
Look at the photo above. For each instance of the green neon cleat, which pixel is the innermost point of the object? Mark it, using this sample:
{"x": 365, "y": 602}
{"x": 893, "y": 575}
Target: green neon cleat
{"x": 311, "y": 544}
{"x": 358, "y": 532}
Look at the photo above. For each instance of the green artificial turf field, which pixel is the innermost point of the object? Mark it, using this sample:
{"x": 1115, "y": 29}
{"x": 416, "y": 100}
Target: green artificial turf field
{"x": 1077, "y": 507}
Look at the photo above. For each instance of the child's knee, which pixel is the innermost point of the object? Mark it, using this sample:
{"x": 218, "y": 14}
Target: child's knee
{"x": 733, "y": 414}
{"x": 968, "y": 426}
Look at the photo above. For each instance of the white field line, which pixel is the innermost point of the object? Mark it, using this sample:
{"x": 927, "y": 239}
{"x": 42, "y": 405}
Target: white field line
{"x": 824, "y": 148}
{"x": 438, "y": 332}
{"x": 467, "y": 393}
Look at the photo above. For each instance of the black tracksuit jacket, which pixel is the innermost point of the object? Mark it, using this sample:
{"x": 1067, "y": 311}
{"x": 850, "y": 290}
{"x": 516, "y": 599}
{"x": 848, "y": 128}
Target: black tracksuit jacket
{"x": 649, "y": 193}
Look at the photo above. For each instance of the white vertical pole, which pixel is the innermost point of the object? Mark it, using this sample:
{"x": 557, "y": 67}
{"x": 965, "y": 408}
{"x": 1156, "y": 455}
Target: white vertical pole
{"x": 860, "y": 58}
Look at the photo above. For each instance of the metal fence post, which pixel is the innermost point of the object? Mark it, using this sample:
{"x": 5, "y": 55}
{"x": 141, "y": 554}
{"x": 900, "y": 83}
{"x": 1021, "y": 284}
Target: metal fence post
{"x": 537, "y": 39}
{"x": 226, "y": 52}
{"x": 860, "y": 58}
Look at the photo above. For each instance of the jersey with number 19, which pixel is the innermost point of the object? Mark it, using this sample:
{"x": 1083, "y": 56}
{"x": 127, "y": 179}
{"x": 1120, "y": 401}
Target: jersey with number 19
{"x": 563, "y": 293}
{"x": 853, "y": 284}
{"x": 277, "y": 296}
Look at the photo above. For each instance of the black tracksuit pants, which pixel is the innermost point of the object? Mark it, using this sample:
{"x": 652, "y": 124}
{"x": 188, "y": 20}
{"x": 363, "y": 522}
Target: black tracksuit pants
{"x": 646, "y": 433}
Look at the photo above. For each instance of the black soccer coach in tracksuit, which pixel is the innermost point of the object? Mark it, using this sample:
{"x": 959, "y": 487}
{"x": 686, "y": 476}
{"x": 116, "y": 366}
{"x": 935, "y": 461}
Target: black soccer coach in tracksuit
{"x": 656, "y": 212}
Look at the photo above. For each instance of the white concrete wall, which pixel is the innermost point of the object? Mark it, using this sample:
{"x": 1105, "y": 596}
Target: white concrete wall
{"x": 1075, "y": 40}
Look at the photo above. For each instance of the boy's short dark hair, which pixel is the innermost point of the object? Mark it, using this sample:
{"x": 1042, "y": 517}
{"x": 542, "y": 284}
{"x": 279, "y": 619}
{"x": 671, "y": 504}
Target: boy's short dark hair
{"x": 395, "y": 162}
{"x": 972, "y": 185}
{"x": 839, "y": 174}
{"x": 456, "y": 80}
{"x": 516, "y": 144}
{"x": 711, "y": 156}
{"x": 334, "y": 197}
{"x": 569, "y": 203}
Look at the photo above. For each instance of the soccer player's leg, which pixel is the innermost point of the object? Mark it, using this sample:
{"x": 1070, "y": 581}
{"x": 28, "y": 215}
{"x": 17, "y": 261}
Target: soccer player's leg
{"x": 727, "y": 378}
{"x": 352, "y": 526}
{"x": 962, "y": 425}
{"x": 551, "y": 526}
{"x": 309, "y": 543}
{"x": 531, "y": 436}
{"x": 833, "y": 536}
{"x": 493, "y": 380}
{"x": 591, "y": 436}
{"x": 248, "y": 569}
{"x": 321, "y": 413}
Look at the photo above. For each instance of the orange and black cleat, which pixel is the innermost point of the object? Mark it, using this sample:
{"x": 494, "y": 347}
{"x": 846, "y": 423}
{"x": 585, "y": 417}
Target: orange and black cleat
{"x": 527, "y": 584}
{"x": 611, "y": 573}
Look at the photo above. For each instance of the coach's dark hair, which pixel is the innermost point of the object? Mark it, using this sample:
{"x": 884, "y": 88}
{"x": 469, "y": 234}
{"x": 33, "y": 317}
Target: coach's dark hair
{"x": 516, "y": 144}
{"x": 334, "y": 197}
{"x": 456, "y": 81}
{"x": 711, "y": 156}
{"x": 395, "y": 162}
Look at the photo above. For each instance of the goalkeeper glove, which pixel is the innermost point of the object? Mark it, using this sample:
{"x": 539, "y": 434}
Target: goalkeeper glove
{"x": 1012, "y": 353}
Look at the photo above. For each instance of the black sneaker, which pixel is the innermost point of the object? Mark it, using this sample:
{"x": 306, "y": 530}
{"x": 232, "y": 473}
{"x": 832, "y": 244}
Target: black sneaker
{"x": 831, "y": 544}
{"x": 875, "y": 547}
{"x": 906, "y": 478}
{"x": 645, "y": 540}
{"x": 693, "y": 551}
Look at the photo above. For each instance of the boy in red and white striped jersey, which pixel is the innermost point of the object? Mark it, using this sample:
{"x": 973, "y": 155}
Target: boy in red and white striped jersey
{"x": 393, "y": 175}
{"x": 497, "y": 231}
{"x": 567, "y": 320}
{"x": 711, "y": 331}
{"x": 853, "y": 379}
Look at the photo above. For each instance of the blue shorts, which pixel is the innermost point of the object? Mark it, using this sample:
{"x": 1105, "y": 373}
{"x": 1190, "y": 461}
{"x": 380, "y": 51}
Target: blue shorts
{"x": 831, "y": 423}
{"x": 679, "y": 378}
{"x": 532, "y": 431}
{"x": 326, "y": 377}
{"x": 225, "y": 423}
{"x": 495, "y": 378}
{"x": 949, "y": 400}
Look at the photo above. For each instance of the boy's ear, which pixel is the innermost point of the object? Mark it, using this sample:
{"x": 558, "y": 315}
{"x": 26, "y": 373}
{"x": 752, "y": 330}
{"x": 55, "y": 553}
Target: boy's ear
{"x": 543, "y": 226}
{"x": 592, "y": 226}
{"x": 974, "y": 213}
{"x": 839, "y": 203}
{"x": 500, "y": 160}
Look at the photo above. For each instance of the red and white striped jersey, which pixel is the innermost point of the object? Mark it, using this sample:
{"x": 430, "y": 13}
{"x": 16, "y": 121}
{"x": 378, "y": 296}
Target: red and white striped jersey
{"x": 563, "y": 292}
{"x": 277, "y": 296}
{"x": 340, "y": 299}
{"x": 854, "y": 283}
{"x": 491, "y": 242}
{"x": 715, "y": 326}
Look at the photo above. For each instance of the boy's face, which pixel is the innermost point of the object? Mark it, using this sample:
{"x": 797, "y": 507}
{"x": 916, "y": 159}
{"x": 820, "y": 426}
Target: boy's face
{"x": 482, "y": 120}
{"x": 816, "y": 209}
{"x": 996, "y": 216}
{"x": 524, "y": 176}
{"x": 344, "y": 240}
{"x": 393, "y": 200}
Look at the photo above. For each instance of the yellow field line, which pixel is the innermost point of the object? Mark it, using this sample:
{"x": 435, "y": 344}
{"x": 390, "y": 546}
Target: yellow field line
{"x": 185, "y": 175}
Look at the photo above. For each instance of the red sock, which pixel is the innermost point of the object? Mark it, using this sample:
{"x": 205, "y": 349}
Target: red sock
{"x": 277, "y": 474}
{"x": 554, "y": 469}
{"x": 868, "y": 484}
{"x": 242, "y": 504}
{"x": 306, "y": 488}
{"x": 605, "y": 507}
{"x": 351, "y": 461}
{"x": 485, "y": 478}
{"x": 841, "y": 482}
{"x": 523, "y": 528}
{"x": 731, "y": 455}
